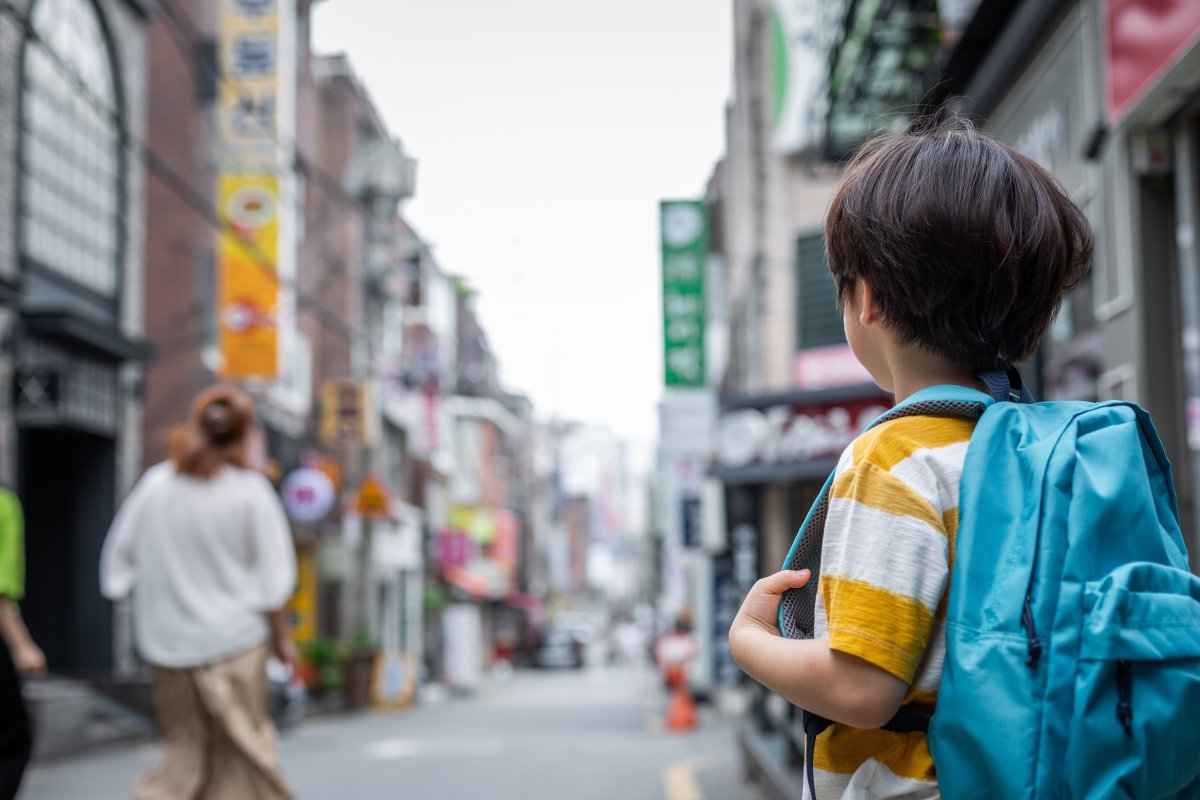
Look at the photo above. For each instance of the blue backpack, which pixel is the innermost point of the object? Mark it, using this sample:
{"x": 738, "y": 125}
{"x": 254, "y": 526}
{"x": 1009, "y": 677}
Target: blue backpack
{"x": 1073, "y": 629}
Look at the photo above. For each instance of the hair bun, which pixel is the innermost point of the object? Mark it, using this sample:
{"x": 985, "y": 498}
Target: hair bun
{"x": 218, "y": 422}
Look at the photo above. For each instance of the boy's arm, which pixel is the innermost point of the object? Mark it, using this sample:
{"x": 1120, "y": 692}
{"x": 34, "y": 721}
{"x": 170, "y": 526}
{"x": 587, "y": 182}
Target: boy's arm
{"x": 807, "y": 673}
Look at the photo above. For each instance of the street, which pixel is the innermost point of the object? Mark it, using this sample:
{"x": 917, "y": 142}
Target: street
{"x": 536, "y": 736}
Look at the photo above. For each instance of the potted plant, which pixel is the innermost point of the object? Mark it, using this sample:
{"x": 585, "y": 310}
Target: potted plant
{"x": 359, "y": 663}
{"x": 324, "y": 666}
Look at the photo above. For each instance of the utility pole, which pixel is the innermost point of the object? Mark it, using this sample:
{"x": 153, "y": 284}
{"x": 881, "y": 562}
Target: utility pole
{"x": 380, "y": 176}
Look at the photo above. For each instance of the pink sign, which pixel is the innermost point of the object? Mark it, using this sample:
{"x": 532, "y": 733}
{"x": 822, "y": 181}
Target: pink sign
{"x": 454, "y": 549}
{"x": 823, "y": 367}
{"x": 1144, "y": 38}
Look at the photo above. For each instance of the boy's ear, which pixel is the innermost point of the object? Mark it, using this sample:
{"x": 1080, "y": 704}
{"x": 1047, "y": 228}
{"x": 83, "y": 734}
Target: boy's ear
{"x": 868, "y": 312}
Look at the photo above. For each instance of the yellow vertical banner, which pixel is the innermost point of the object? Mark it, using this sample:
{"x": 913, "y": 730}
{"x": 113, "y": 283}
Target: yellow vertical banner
{"x": 248, "y": 189}
{"x": 302, "y": 608}
{"x": 247, "y": 281}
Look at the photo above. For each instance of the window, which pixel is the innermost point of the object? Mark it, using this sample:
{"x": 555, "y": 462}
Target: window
{"x": 818, "y": 322}
{"x": 71, "y": 177}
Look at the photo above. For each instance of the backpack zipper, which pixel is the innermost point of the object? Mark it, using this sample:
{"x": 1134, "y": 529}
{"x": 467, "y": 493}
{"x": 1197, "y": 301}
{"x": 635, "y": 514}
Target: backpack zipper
{"x": 1125, "y": 696}
{"x": 1034, "y": 647}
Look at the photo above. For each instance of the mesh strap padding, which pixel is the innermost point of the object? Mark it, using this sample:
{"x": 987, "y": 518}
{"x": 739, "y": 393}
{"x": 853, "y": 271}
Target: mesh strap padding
{"x": 799, "y": 605}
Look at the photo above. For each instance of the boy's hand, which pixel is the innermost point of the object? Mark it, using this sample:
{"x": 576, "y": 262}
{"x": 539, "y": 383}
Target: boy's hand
{"x": 760, "y": 609}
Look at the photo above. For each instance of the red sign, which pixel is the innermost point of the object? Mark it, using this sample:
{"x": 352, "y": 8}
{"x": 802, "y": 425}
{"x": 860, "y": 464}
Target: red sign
{"x": 793, "y": 433}
{"x": 1144, "y": 38}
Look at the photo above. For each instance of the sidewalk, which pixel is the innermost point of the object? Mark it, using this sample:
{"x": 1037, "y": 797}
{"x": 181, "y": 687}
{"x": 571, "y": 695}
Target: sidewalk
{"x": 70, "y": 718}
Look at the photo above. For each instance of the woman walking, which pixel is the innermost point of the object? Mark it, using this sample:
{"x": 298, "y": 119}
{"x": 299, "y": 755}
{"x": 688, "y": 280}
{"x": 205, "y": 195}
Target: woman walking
{"x": 203, "y": 545}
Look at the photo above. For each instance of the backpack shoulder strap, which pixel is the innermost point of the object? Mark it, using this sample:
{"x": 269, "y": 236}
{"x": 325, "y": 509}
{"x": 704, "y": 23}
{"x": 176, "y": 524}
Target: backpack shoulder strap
{"x": 796, "y": 616}
{"x": 943, "y": 399}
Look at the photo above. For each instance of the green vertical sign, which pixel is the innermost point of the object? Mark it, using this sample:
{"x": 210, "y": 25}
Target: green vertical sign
{"x": 684, "y": 229}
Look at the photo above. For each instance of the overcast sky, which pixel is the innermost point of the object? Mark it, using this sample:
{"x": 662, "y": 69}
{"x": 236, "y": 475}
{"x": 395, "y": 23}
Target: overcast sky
{"x": 547, "y": 131}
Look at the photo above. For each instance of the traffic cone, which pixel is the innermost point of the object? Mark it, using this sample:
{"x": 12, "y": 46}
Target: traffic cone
{"x": 681, "y": 711}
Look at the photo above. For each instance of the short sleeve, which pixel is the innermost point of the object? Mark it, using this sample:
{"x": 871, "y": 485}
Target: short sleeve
{"x": 274, "y": 554}
{"x": 12, "y": 546}
{"x": 884, "y": 568}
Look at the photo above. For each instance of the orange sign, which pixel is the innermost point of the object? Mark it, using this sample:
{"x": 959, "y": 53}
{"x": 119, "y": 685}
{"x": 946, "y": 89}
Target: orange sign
{"x": 373, "y": 501}
{"x": 247, "y": 282}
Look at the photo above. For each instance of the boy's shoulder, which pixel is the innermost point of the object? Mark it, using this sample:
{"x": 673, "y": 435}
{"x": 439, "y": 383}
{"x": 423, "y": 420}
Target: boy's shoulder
{"x": 898, "y": 440}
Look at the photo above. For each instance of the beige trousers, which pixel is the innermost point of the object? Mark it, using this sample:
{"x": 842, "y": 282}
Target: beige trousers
{"x": 220, "y": 744}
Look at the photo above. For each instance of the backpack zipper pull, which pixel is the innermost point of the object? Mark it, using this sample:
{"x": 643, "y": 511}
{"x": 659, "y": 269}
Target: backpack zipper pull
{"x": 1034, "y": 646}
{"x": 1125, "y": 696}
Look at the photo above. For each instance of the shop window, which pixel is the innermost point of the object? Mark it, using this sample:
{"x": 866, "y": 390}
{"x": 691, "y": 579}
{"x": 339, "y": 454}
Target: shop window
{"x": 818, "y": 323}
{"x": 71, "y": 165}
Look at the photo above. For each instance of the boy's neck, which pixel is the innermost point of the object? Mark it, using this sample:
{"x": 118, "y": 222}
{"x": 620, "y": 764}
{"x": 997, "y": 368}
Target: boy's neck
{"x": 913, "y": 370}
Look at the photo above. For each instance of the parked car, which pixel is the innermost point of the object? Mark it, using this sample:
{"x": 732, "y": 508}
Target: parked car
{"x": 560, "y": 647}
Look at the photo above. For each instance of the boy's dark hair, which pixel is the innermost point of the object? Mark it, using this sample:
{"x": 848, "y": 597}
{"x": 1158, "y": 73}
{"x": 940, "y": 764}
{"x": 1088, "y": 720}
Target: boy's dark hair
{"x": 968, "y": 246}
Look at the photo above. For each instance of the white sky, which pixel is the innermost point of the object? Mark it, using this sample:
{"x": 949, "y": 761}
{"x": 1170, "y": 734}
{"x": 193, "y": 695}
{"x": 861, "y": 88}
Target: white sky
{"x": 547, "y": 131}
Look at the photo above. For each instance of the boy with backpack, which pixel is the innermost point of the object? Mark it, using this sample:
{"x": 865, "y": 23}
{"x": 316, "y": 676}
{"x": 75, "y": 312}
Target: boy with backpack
{"x": 989, "y": 583}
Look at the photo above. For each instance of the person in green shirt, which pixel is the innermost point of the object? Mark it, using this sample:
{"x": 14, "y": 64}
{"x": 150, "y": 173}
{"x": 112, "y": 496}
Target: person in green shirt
{"x": 18, "y": 653}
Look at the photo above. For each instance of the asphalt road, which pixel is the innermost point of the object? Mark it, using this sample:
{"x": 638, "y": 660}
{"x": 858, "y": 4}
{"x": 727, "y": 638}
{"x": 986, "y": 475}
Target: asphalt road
{"x": 535, "y": 736}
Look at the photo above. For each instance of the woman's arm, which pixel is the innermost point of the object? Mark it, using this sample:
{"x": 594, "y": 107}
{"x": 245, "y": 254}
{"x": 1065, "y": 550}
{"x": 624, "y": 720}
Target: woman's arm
{"x": 26, "y": 655}
{"x": 281, "y": 638}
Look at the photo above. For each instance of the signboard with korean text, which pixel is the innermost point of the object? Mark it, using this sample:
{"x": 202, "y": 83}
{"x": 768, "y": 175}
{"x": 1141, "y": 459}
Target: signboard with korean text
{"x": 248, "y": 100}
{"x": 786, "y": 433}
{"x": 346, "y": 413}
{"x": 248, "y": 189}
{"x": 684, "y": 228}
{"x": 247, "y": 280}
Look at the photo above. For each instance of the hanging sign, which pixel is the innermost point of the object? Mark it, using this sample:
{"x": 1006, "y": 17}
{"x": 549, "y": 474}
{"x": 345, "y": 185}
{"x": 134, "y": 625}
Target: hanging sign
{"x": 684, "y": 228}
{"x": 307, "y": 494}
{"x": 248, "y": 191}
{"x": 373, "y": 500}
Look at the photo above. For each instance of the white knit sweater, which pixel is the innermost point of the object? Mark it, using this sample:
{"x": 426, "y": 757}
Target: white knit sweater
{"x": 204, "y": 559}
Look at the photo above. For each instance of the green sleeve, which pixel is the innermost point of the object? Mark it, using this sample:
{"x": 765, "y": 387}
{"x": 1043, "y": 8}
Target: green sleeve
{"x": 12, "y": 547}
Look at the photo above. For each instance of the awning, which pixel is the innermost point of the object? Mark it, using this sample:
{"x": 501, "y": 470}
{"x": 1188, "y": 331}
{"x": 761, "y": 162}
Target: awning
{"x": 792, "y": 437}
{"x": 87, "y": 334}
{"x": 797, "y": 472}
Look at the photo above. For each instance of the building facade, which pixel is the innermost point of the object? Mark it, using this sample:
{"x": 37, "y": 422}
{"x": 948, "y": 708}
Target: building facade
{"x": 1101, "y": 93}
{"x": 73, "y": 179}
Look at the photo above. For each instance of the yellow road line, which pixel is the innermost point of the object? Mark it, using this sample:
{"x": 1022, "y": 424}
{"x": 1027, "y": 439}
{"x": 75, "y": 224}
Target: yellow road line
{"x": 679, "y": 779}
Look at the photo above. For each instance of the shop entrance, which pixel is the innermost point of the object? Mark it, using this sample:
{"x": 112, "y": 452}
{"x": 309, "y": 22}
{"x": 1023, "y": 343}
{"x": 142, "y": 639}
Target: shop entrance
{"x": 67, "y": 485}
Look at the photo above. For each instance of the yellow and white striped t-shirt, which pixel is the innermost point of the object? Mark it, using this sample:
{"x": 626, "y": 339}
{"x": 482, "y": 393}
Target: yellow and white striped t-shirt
{"x": 885, "y": 568}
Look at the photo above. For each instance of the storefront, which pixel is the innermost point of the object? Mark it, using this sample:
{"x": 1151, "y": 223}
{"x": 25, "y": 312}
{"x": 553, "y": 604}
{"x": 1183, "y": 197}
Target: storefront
{"x": 71, "y": 196}
{"x": 774, "y": 453}
{"x": 1104, "y": 95}
{"x": 1151, "y": 57}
